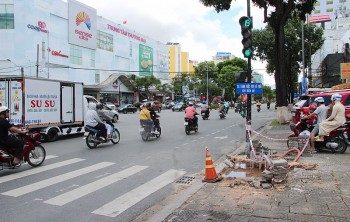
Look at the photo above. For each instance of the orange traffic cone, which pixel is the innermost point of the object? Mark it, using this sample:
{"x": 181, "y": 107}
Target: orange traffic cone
{"x": 210, "y": 172}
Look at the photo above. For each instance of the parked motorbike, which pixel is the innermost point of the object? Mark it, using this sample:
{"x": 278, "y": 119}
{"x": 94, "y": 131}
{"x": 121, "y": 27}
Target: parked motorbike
{"x": 222, "y": 114}
{"x": 337, "y": 141}
{"x": 258, "y": 108}
{"x": 93, "y": 139}
{"x": 33, "y": 152}
{"x": 190, "y": 126}
{"x": 146, "y": 131}
{"x": 205, "y": 115}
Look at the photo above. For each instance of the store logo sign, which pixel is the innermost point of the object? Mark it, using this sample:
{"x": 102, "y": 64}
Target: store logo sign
{"x": 40, "y": 27}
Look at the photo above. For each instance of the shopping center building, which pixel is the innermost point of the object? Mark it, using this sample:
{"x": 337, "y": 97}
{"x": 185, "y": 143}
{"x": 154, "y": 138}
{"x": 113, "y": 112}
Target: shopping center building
{"x": 72, "y": 41}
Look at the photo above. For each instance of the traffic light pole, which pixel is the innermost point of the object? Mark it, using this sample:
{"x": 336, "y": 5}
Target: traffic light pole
{"x": 249, "y": 96}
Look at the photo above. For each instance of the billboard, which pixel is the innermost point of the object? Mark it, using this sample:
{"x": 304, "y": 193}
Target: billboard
{"x": 345, "y": 70}
{"x": 145, "y": 60}
{"x": 319, "y": 18}
{"x": 82, "y": 25}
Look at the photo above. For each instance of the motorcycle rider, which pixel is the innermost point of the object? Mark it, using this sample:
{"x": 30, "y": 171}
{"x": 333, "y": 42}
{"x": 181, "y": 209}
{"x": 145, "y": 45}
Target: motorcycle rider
{"x": 103, "y": 116}
{"x": 227, "y": 106}
{"x": 190, "y": 112}
{"x": 336, "y": 119}
{"x": 221, "y": 108}
{"x": 94, "y": 121}
{"x": 153, "y": 114}
{"x": 9, "y": 141}
{"x": 205, "y": 109}
{"x": 268, "y": 104}
{"x": 321, "y": 114}
{"x": 145, "y": 117}
{"x": 258, "y": 105}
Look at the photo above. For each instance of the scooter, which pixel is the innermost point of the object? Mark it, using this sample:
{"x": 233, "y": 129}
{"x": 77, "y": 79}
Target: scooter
{"x": 190, "y": 126}
{"x": 33, "y": 152}
{"x": 146, "y": 131}
{"x": 93, "y": 139}
{"x": 337, "y": 141}
{"x": 205, "y": 115}
{"x": 222, "y": 114}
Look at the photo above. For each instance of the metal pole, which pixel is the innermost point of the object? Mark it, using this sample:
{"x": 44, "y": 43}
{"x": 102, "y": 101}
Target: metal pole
{"x": 37, "y": 60}
{"x": 22, "y": 71}
{"x": 249, "y": 96}
{"x": 207, "y": 85}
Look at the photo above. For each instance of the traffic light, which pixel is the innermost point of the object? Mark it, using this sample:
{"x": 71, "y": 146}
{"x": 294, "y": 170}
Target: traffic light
{"x": 246, "y": 31}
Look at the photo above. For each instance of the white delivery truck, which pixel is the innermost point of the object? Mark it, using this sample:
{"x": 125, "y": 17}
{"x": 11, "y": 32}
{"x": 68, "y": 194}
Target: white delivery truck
{"x": 51, "y": 107}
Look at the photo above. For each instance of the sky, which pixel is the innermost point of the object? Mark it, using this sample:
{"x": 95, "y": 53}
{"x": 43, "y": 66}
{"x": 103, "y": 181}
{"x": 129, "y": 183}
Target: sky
{"x": 200, "y": 30}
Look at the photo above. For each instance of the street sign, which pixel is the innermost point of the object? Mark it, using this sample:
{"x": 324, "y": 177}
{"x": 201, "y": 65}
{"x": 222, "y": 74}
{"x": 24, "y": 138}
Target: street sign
{"x": 249, "y": 88}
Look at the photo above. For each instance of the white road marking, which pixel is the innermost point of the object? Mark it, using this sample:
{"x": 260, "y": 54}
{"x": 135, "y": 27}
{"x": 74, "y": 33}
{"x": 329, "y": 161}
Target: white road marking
{"x": 54, "y": 180}
{"x": 38, "y": 170}
{"x": 92, "y": 187}
{"x": 221, "y": 137}
{"x": 122, "y": 203}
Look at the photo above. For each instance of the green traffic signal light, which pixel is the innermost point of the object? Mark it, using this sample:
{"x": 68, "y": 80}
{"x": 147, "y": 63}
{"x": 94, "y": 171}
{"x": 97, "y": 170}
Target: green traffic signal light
{"x": 245, "y": 22}
{"x": 247, "y": 52}
{"x": 246, "y": 26}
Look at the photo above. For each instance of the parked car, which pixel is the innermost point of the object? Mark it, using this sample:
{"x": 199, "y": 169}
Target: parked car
{"x": 169, "y": 105}
{"x": 110, "y": 105}
{"x": 113, "y": 114}
{"x": 303, "y": 105}
{"x": 127, "y": 108}
{"x": 179, "y": 106}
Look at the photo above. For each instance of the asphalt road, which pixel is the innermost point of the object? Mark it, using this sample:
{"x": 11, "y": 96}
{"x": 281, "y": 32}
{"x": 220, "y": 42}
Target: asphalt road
{"x": 118, "y": 182}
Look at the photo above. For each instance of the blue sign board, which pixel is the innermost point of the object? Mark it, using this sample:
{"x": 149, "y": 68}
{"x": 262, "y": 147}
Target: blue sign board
{"x": 249, "y": 88}
{"x": 223, "y": 53}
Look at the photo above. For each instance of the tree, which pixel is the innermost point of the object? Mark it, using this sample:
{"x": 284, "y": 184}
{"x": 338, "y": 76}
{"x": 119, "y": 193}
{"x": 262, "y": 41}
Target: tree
{"x": 263, "y": 40}
{"x": 283, "y": 10}
{"x": 143, "y": 84}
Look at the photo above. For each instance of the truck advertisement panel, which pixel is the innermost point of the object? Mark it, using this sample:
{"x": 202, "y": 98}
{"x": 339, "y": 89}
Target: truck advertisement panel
{"x": 16, "y": 102}
{"x": 42, "y": 102}
{"x": 3, "y": 94}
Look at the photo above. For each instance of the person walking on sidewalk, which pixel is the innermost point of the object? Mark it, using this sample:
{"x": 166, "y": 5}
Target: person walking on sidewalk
{"x": 336, "y": 119}
{"x": 321, "y": 114}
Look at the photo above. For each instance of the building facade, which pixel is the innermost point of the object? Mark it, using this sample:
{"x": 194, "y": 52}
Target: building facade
{"x": 69, "y": 41}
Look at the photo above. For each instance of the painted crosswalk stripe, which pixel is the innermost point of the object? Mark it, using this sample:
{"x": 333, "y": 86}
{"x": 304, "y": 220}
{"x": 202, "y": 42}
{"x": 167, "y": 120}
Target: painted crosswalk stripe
{"x": 46, "y": 158}
{"x": 94, "y": 186}
{"x": 54, "y": 180}
{"x": 122, "y": 203}
{"x": 38, "y": 170}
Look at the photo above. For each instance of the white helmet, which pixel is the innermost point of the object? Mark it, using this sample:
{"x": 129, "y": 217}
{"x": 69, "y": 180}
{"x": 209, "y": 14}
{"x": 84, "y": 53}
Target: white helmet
{"x": 319, "y": 100}
{"x": 3, "y": 109}
{"x": 336, "y": 97}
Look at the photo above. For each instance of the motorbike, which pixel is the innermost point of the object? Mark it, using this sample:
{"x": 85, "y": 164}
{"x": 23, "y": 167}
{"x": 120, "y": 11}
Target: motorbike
{"x": 190, "y": 126}
{"x": 222, "y": 114}
{"x": 337, "y": 141}
{"x": 268, "y": 106}
{"x": 236, "y": 109}
{"x": 258, "y": 108}
{"x": 33, "y": 152}
{"x": 92, "y": 136}
{"x": 146, "y": 131}
{"x": 205, "y": 115}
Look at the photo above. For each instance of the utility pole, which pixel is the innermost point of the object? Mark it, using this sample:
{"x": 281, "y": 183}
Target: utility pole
{"x": 207, "y": 84}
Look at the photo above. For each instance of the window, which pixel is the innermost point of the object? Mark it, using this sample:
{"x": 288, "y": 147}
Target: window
{"x": 104, "y": 41}
{"x": 329, "y": 9}
{"x": 329, "y": 2}
{"x": 6, "y": 17}
{"x": 92, "y": 61}
{"x": 317, "y": 12}
{"x": 76, "y": 55}
{"x": 97, "y": 76}
{"x": 317, "y": 4}
{"x": 342, "y": 1}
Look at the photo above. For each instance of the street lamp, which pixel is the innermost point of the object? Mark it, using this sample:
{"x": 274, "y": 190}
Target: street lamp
{"x": 207, "y": 85}
{"x": 22, "y": 70}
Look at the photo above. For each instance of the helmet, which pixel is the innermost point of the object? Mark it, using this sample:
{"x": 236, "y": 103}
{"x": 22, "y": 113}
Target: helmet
{"x": 148, "y": 105}
{"x": 312, "y": 106}
{"x": 190, "y": 103}
{"x": 336, "y": 97}
{"x": 319, "y": 100}
{"x": 99, "y": 106}
{"x": 3, "y": 109}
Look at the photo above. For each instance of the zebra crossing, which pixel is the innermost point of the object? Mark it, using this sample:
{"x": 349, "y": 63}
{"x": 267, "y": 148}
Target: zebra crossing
{"x": 113, "y": 208}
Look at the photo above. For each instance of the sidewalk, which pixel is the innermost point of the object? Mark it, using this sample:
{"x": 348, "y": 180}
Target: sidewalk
{"x": 318, "y": 195}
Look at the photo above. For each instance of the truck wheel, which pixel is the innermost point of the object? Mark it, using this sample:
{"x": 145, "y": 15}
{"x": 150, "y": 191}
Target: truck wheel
{"x": 51, "y": 135}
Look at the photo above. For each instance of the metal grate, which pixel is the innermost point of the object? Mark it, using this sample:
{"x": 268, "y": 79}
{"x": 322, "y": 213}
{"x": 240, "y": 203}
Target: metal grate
{"x": 185, "y": 180}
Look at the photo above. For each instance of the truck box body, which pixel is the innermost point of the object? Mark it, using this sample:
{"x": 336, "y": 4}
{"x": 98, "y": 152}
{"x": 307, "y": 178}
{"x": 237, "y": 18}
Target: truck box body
{"x": 42, "y": 104}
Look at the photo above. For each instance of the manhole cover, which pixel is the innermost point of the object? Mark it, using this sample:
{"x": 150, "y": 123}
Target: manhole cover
{"x": 185, "y": 180}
